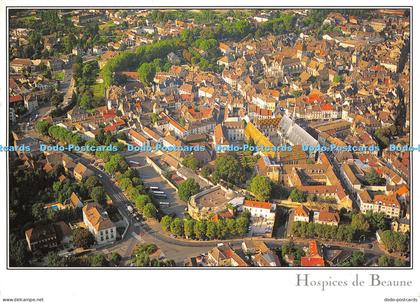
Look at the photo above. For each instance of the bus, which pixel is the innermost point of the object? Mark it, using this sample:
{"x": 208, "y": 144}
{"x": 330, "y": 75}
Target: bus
{"x": 158, "y": 192}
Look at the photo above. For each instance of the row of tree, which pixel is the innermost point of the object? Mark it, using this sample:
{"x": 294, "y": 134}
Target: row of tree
{"x": 134, "y": 187}
{"x": 206, "y": 229}
{"x": 65, "y": 136}
{"x": 395, "y": 241}
{"x": 147, "y": 70}
{"x": 132, "y": 60}
{"x": 142, "y": 59}
{"x": 323, "y": 231}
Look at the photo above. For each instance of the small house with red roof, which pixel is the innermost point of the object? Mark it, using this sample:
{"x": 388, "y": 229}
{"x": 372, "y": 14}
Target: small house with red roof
{"x": 313, "y": 256}
{"x": 301, "y": 213}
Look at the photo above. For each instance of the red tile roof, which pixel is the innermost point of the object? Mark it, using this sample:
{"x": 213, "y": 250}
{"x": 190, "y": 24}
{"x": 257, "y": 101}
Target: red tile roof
{"x": 257, "y": 204}
{"x": 314, "y": 258}
{"x": 312, "y": 261}
{"x": 302, "y": 211}
{"x": 15, "y": 98}
{"x": 327, "y": 107}
{"x": 137, "y": 136}
{"x": 113, "y": 127}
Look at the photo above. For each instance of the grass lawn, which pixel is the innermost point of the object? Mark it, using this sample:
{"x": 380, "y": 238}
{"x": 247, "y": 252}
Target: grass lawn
{"x": 98, "y": 90}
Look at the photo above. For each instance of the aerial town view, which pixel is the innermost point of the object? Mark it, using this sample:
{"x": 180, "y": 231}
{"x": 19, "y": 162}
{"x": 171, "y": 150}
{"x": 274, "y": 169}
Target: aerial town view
{"x": 209, "y": 138}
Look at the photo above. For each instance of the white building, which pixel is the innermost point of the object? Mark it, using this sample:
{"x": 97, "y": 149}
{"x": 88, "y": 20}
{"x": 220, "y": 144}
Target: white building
{"x": 262, "y": 209}
{"x": 301, "y": 213}
{"x": 139, "y": 139}
{"x": 98, "y": 223}
{"x": 387, "y": 204}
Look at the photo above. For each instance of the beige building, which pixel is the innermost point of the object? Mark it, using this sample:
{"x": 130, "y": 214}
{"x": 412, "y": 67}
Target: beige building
{"x": 81, "y": 172}
{"x": 98, "y": 223}
{"x": 209, "y": 202}
{"x": 387, "y": 204}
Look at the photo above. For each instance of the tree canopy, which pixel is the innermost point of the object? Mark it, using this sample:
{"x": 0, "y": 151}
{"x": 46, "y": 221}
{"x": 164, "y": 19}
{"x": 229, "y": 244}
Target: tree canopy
{"x": 229, "y": 169}
{"x": 261, "y": 187}
{"x": 187, "y": 189}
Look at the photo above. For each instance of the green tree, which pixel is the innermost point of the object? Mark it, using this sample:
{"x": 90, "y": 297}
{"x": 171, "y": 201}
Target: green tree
{"x": 116, "y": 164}
{"x": 199, "y": 229}
{"x": 92, "y": 182}
{"x": 384, "y": 261}
{"x": 297, "y": 196}
{"x": 18, "y": 256}
{"x": 187, "y": 189}
{"x": 115, "y": 258}
{"x": 149, "y": 211}
{"x": 55, "y": 260}
{"x": 154, "y": 117}
{"x": 83, "y": 238}
{"x": 57, "y": 186}
{"x": 337, "y": 79}
{"x": 211, "y": 229}
{"x": 241, "y": 226}
{"x": 86, "y": 100}
{"x": 189, "y": 228}
{"x": 376, "y": 220}
{"x": 98, "y": 260}
{"x": 39, "y": 212}
{"x": 395, "y": 241}
{"x": 190, "y": 162}
{"x": 261, "y": 187}
{"x": 141, "y": 201}
{"x": 357, "y": 258}
{"x": 205, "y": 171}
{"x": 231, "y": 226}
{"x": 98, "y": 195}
{"x": 125, "y": 183}
{"x": 399, "y": 262}
{"x": 359, "y": 223}
{"x": 146, "y": 73}
{"x": 42, "y": 127}
{"x": 229, "y": 169}
{"x": 166, "y": 223}
{"x": 222, "y": 229}
{"x": 177, "y": 227}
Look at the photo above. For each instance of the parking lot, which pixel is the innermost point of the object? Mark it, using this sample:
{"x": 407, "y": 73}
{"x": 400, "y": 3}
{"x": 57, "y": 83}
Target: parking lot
{"x": 152, "y": 179}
